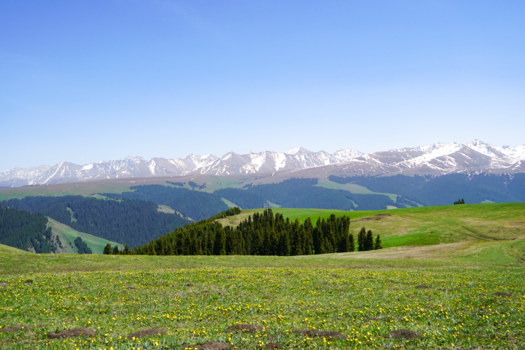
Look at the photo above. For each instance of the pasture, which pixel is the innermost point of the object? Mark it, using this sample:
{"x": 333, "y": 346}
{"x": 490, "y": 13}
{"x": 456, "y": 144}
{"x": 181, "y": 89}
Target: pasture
{"x": 472, "y": 296}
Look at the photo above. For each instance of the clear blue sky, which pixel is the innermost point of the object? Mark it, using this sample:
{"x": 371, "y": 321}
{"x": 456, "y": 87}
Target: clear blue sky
{"x": 89, "y": 80}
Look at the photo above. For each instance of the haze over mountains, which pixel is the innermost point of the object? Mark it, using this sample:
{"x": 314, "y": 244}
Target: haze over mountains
{"x": 436, "y": 159}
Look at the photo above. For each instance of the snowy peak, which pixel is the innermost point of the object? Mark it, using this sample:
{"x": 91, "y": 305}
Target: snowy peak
{"x": 298, "y": 150}
{"x": 436, "y": 159}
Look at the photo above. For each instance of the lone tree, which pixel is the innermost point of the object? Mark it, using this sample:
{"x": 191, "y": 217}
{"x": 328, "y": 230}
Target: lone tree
{"x": 107, "y": 249}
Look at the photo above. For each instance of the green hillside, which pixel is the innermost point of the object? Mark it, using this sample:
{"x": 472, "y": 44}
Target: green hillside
{"x": 489, "y": 222}
{"x": 7, "y": 250}
{"x": 68, "y": 236}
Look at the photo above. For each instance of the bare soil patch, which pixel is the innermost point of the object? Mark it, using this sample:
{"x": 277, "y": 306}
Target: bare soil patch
{"x": 422, "y": 286}
{"x": 211, "y": 345}
{"x": 324, "y": 334}
{"x": 405, "y": 334}
{"x": 273, "y": 346}
{"x": 146, "y": 333}
{"x": 245, "y": 327}
{"x": 66, "y": 333}
{"x": 503, "y": 294}
{"x": 15, "y": 329}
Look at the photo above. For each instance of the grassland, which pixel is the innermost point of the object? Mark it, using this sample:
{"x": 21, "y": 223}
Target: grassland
{"x": 464, "y": 294}
{"x": 453, "y": 302}
{"x": 68, "y": 235}
{"x": 424, "y": 225}
{"x": 353, "y": 188}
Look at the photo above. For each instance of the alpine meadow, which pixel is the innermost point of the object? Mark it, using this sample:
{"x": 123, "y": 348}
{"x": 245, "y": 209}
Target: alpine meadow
{"x": 251, "y": 175}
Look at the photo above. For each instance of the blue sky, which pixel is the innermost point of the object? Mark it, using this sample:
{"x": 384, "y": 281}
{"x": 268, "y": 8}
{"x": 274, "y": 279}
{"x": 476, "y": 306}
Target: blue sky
{"x": 85, "y": 81}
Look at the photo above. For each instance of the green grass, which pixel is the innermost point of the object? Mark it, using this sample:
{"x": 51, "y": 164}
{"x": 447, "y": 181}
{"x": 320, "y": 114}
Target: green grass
{"x": 461, "y": 255}
{"x": 195, "y": 299}
{"x": 423, "y": 225}
{"x": 68, "y": 236}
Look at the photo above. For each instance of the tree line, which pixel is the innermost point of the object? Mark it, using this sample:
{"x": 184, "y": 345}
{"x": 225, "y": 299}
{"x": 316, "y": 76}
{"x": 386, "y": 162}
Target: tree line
{"x": 263, "y": 233}
{"x": 27, "y": 231}
{"x": 130, "y": 221}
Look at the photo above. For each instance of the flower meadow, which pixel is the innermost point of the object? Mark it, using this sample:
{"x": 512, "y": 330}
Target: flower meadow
{"x": 449, "y": 308}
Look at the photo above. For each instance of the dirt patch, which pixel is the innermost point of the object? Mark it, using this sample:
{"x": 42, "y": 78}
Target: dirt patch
{"x": 375, "y": 217}
{"x": 305, "y": 332}
{"x": 15, "y": 329}
{"x": 205, "y": 291}
{"x": 66, "y": 333}
{"x": 211, "y": 345}
{"x": 146, "y": 333}
{"x": 335, "y": 275}
{"x": 188, "y": 284}
{"x": 245, "y": 327}
{"x": 405, "y": 334}
{"x": 324, "y": 334}
{"x": 503, "y": 294}
{"x": 273, "y": 346}
{"x": 330, "y": 334}
{"x": 422, "y": 286}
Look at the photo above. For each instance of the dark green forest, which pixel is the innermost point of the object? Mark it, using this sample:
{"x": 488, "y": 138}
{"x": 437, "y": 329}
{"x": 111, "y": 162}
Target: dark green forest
{"x": 82, "y": 246}
{"x": 23, "y": 230}
{"x": 303, "y": 193}
{"x": 134, "y": 222}
{"x": 263, "y": 233}
{"x": 445, "y": 189}
{"x": 242, "y": 198}
{"x": 193, "y": 204}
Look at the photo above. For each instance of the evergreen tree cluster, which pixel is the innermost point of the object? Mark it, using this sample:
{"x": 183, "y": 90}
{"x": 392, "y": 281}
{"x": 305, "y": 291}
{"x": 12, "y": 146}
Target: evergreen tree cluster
{"x": 263, "y": 233}
{"x": 460, "y": 201}
{"x": 193, "y": 204}
{"x": 134, "y": 222}
{"x": 82, "y": 246}
{"x": 366, "y": 242}
{"x": 244, "y": 199}
{"x": 108, "y": 250}
{"x": 25, "y": 230}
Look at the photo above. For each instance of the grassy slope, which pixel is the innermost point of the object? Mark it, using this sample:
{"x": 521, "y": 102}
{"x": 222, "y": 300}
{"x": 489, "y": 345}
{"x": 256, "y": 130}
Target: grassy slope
{"x": 7, "y": 250}
{"x": 353, "y": 188}
{"x": 424, "y": 225}
{"x": 68, "y": 236}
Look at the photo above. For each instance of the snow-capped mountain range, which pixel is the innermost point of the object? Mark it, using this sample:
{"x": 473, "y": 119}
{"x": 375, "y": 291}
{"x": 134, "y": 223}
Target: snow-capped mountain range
{"x": 439, "y": 158}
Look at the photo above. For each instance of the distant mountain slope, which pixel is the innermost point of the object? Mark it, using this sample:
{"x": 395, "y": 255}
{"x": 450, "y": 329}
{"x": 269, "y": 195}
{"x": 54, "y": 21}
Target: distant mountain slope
{"x": 131, "y": 222}
{"x": 191, "y": 203}
{"x": 303, "y": 193}
{"x": 443, "y": 190}
{"x": 245, "y": 199}
{"x": 68, "y": 236}
{"x": 25, "y": 230}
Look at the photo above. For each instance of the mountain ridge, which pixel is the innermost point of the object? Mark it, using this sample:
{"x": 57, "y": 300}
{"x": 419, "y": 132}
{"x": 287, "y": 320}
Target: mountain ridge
{"x": 435, "y": 159}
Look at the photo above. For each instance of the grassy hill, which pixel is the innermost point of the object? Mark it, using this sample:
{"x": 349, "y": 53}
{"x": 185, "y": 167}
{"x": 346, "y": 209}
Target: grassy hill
{"x": 489, "y": 222}
{"x": 68, "y": 236}
{"x": 7, "y": 250}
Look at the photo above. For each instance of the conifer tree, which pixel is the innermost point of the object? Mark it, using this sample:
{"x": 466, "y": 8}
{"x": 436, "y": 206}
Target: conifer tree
{"x": 361, "y": 237}
{"x": 115, "y": 250}
{"x": 107, "y": 249}
{"x": 377, "y": 244}
{"x": 126, "y": 250}
{"x": 351, "y": 247}
{"x": 369, "y": 241}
